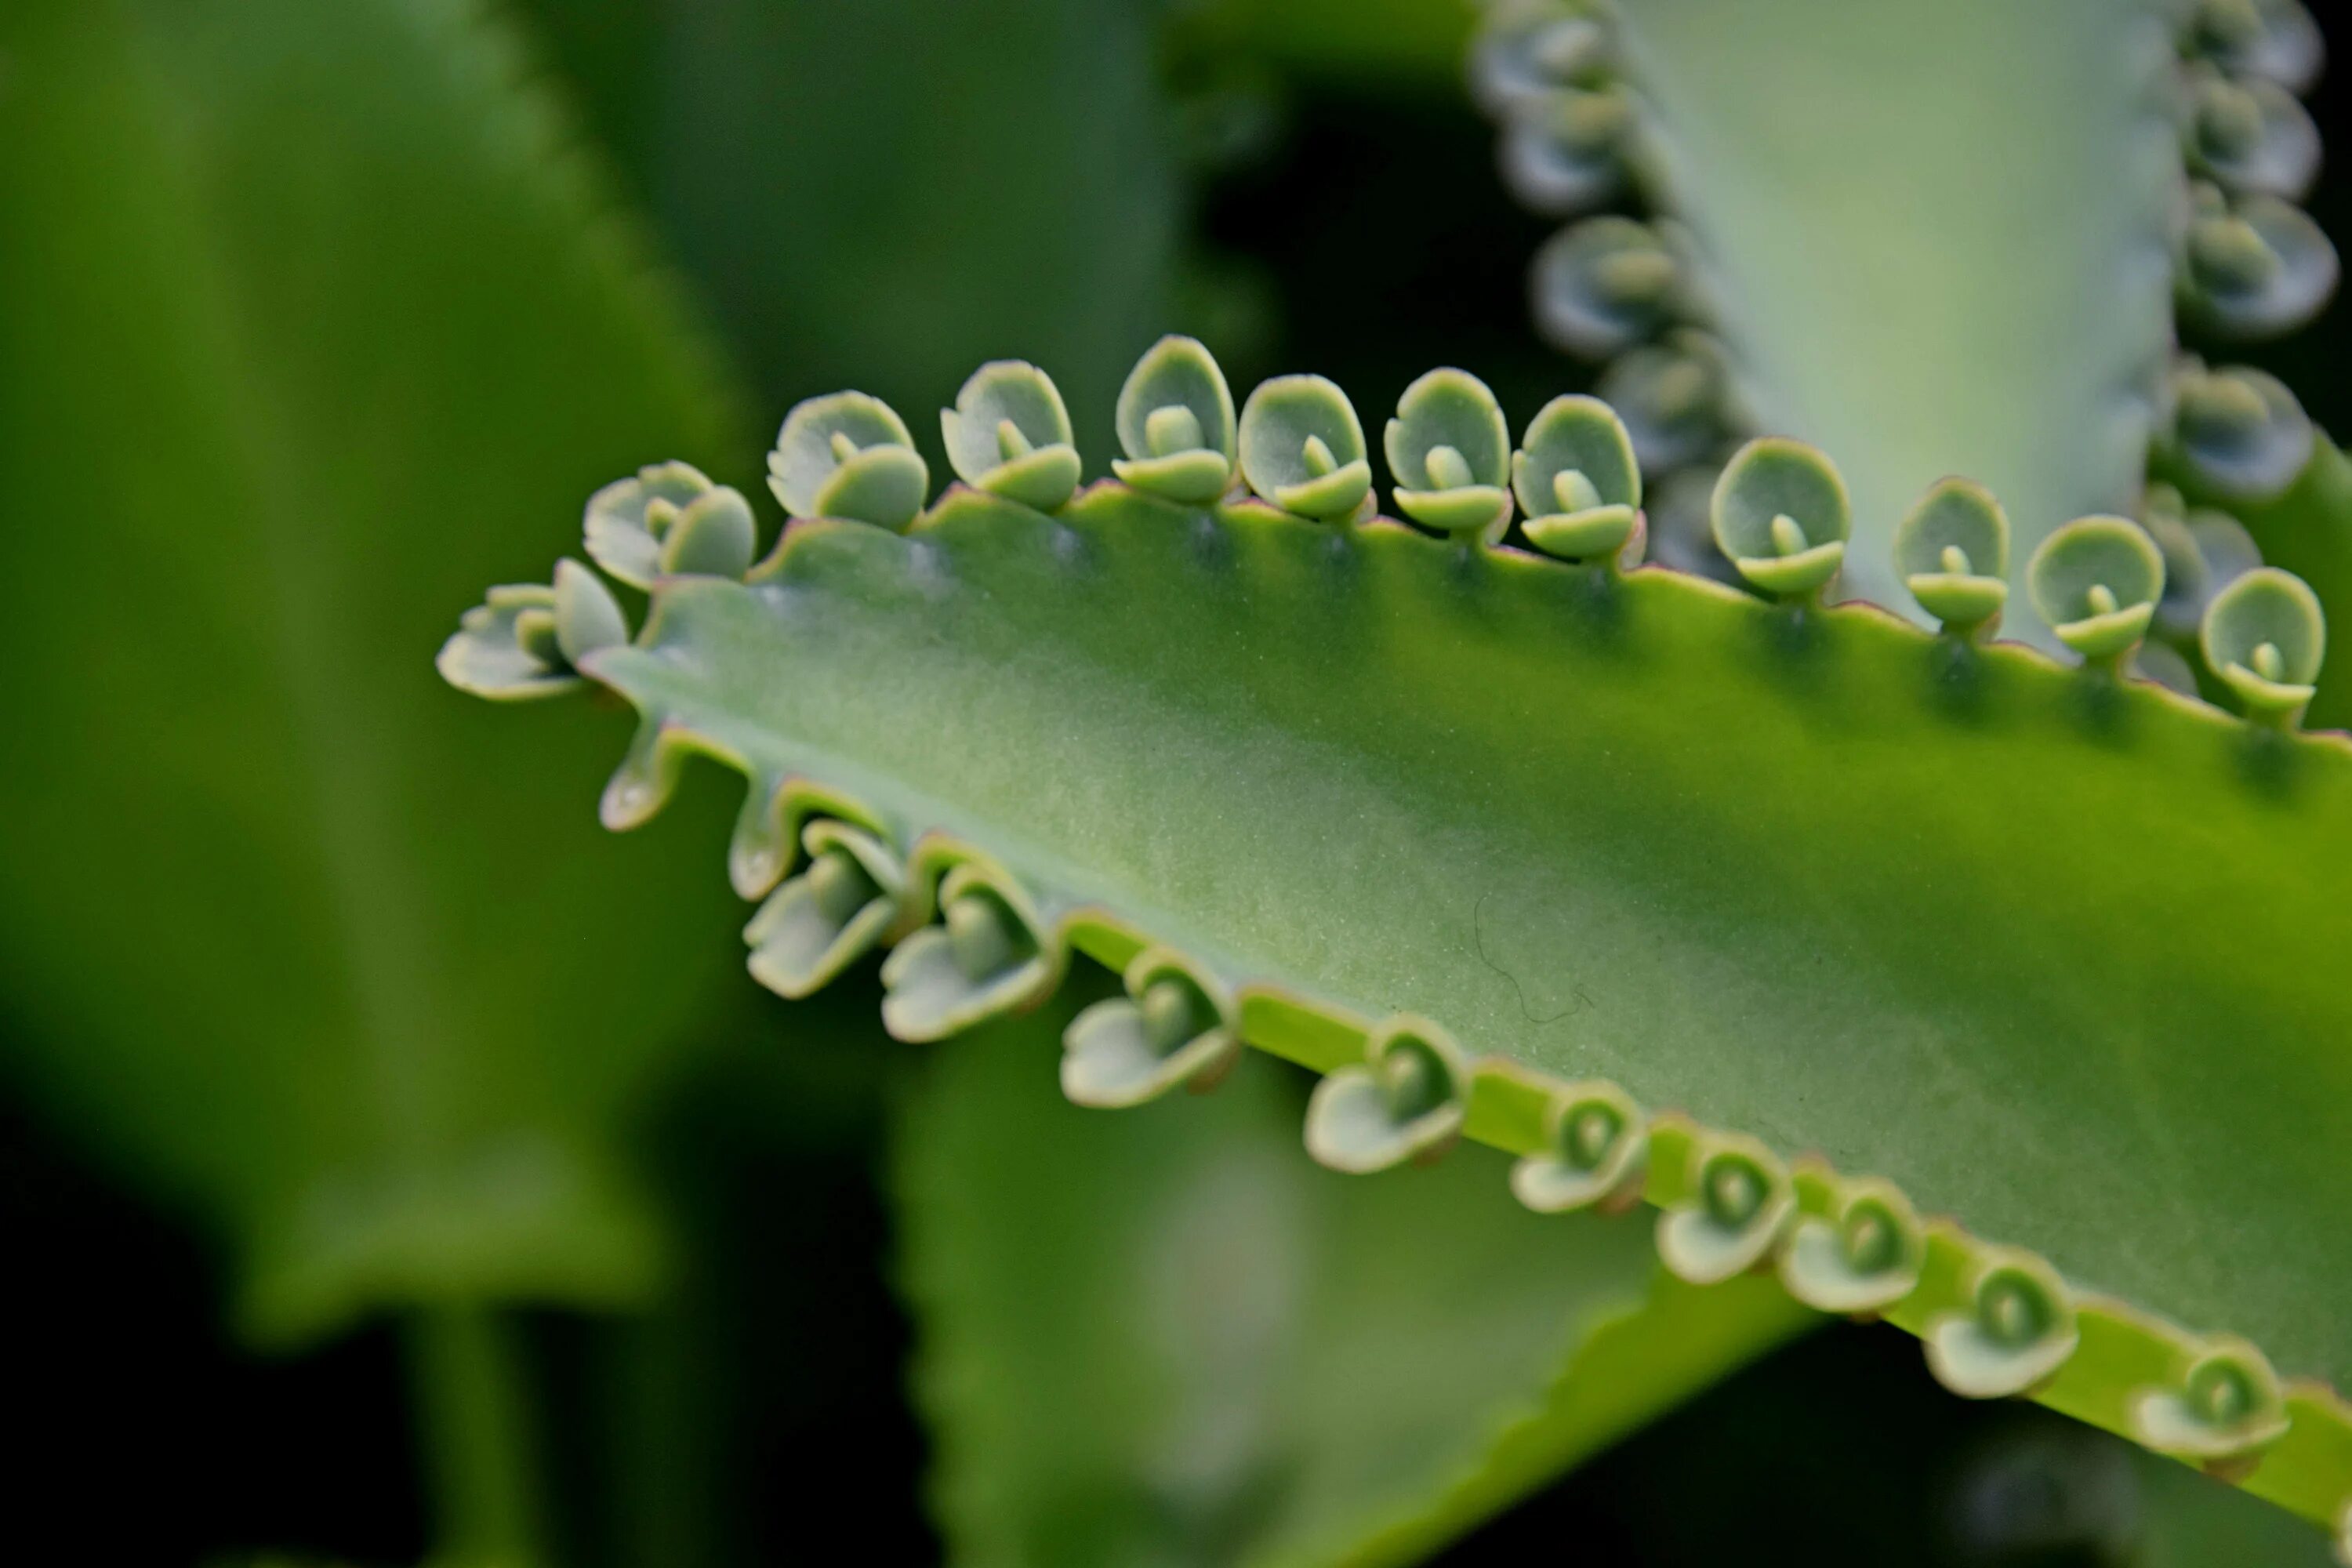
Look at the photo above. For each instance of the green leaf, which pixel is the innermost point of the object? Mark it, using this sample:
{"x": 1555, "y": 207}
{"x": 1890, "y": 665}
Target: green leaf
{"x": 980, "y": 175}
{"x": 1248, "y": 1360}
{"x": 1391, "y": 775}
{"x": 317, "y": 324}
{"x": 1934, "y": 233}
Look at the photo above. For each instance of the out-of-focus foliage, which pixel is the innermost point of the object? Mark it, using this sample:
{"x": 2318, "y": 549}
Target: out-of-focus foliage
{"x": 311, "y": 324}
{"x": 1162, "y": 1335}
{"x": 1977, "y": 283}
{"x": 896, "y": 190}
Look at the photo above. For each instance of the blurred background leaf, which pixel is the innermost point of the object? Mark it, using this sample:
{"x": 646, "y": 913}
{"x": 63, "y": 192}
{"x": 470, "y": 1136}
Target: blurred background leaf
{"x": 1163, "y": 1336}
{"x": 885, "y": 192}
{"x": 313, "y": 328}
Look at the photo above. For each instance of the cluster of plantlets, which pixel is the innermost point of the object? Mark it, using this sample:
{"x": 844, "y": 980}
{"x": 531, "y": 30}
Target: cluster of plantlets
{"x": 2187, "y": 125}
{"x": 1823, "y": 879}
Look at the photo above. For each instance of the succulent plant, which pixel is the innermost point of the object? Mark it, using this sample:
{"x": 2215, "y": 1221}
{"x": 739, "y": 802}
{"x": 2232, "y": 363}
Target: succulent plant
{"x": 1892, "y": 891}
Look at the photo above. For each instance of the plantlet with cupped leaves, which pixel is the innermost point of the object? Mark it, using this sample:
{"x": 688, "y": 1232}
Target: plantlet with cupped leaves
{"x": 1441, "y": 829}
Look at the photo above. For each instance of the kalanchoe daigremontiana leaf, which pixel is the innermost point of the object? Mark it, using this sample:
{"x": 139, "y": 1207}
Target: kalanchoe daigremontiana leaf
{"x": 984, "y": 959}
{"x": 1010, "y": 436}
{"x": 1594, "y": 1152}
{"x": 2227, "y": 1405}
{"x": 2096, "y": 581}
{"x": 2252, "y": 266}
{"x": 1317, "y": 738}
{"x": 2248, "y": 134}
{"x": 1674, "y": 397}
{"x": 1405, "y": 1101}
{"x": 1576, "y": 476}
{"x": 1175, "y": 423}
{"x": 2274, "y": 39}
{"x": 850, "y": 456}
{"x": 1302, "y": 449}
{"x": 1862, "y": 1258}
{"x": 2239, "y": 430}
{"x": 525, "y": 639}
{"x": 668, "y": 517}
{"x": 1739, "y": 1202}
{"x": 837, "y": 909}
{"x": 2019, "y": 1331}
{"x": 1449, "y": 453}
{"x": 1174, "y": 1027}
{"x": 1952, "y": 552}
{"x": 2265, "y": 636}
{"x": 1606, "y": 284}
{"x": 1780, "y": 512}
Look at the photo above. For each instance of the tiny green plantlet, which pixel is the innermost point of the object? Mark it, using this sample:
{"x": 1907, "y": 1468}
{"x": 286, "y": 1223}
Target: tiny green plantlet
{"x": 1175, "y": 423}
{"x": 1302, "y": 449}
{"x": 669, "y": 519}
{"x": 1175, "y": 1026}
{"x": 1451, "y": 453}
{"x": 2016, "y": 1331}
{"x": 1009, "y": 434}
{"x": 2265, "y": 636}
{"x": 2255, "y": 265}
{"x": 1594, "y": 1149}
{"x": 1952, "y": 550}
{"x": 1742, "y": 1201}
{"x": 1427, "y": 816}
{"x": 1575, "y": 477}
{"x": 1861, "y": 1254}
{"x": 1781, "y": 517}
{"x": 2227, "y": 1406}
{"x": 848, "y": 456}
{"x": 2096, "y": 581}
{"x": 1404, "y": 1102}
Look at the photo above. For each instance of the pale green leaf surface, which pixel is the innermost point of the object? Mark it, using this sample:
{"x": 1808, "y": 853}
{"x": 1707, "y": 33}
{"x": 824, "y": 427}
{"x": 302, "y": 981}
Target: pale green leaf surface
{"x": 1162, "y": 1336}
{"x": 1934, "y": 234}
{"x": 2055, "y": 956}
{"x": 309, "y": 325}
